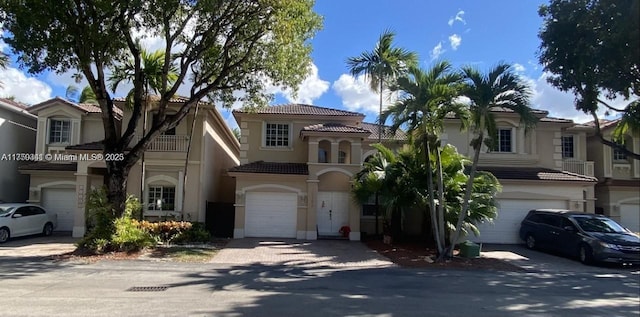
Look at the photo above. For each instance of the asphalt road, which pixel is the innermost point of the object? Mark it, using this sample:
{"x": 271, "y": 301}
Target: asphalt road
{"x": 32, "y": 286}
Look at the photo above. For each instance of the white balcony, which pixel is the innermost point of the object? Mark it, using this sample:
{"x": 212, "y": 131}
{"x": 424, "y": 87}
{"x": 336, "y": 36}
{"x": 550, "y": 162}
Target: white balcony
{"x": 169, "y": 143}
{"x": 578, "y": 166}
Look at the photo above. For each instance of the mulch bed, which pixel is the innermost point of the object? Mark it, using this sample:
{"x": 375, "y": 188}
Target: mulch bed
{"x": 415, "y": 255}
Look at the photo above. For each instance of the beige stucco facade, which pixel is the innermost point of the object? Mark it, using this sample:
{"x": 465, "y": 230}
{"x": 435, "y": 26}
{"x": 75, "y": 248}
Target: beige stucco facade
{"x": 18, "y": 126}
{"x": 213, "y": 150}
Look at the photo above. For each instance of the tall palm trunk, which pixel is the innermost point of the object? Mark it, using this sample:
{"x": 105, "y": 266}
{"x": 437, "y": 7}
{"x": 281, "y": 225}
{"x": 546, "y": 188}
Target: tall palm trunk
{"x": 440, "y": 181}
{"x": 379, "y": 141}
{"x": 467, "y": 193}
{"x": 432, "y": 205}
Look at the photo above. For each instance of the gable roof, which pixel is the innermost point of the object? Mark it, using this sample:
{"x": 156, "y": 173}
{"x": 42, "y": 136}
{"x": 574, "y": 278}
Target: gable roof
{"x": 272, "y": 168}
{"x": 16, "y": 107}
{"x": 604, "y": 123}
{"x": 301, "y": 109}
{"x": 535, "y": 173}
{"x": 84, "y": 107}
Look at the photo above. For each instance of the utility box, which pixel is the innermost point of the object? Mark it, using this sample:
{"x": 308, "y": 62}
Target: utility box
{"x": 469, "y": 249}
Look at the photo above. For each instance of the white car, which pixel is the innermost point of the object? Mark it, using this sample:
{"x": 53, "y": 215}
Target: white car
{"x": 18, "y": 220}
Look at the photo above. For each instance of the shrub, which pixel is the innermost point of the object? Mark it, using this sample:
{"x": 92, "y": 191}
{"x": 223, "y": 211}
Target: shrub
{"x": 197, "y": 233}
{"x": 165, "y": 231}
{"x": 129, "y": 236}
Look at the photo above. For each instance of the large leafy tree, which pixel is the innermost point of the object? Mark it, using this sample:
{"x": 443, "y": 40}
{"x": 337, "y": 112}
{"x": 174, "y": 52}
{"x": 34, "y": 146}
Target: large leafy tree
{"x": 381, "y": 67}
{"x": 221, "y": 47}
{"x": 426, "y": 98}
{"x": 592, "y": 49}
{"x": 502, "y": 88}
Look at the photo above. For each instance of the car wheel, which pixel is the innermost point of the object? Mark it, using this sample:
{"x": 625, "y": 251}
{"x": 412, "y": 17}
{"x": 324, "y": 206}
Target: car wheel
{"x": 585, "y": 255}
{"x": 531, "y": 241}
{"x": 4, "y": 235}
{"x": 48, "y": 229}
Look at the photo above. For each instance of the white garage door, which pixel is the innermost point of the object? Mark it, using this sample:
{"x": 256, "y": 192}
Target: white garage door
{"x": 630, "y": 217}
{"x": 505, "y": 227}
{"x": 62, "y": 201}
{"x": 271, "y": 215}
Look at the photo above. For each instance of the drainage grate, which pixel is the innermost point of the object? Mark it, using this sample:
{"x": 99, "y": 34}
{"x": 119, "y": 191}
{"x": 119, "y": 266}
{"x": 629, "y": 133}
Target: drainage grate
{"x": 147, "y": 289}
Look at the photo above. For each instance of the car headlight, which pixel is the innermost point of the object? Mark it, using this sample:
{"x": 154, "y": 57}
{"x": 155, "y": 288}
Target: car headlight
{"x": 610, "y": 246}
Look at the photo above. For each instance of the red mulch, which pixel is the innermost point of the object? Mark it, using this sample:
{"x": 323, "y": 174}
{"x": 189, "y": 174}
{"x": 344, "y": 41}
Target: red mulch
{"x": 413, "y": 254}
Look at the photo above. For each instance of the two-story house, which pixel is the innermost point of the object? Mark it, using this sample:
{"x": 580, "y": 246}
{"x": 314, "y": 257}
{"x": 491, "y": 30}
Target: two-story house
{"x": 544, "y": 167}
{"x": 618, "y": 188}
{"x": 297, "y": 164}
{"x": 18, "y": 131}
{"x": 69, "y": 134}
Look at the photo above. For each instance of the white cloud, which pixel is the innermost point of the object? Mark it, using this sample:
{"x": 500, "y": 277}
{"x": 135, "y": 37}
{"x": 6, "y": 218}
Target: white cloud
{"x": 519, "y": 67}
{"x": 436, "y": 51}
{"x": 25, "y": 89}
{"x": 310, "y": 89}
{"x": 455, "y": 40}
{"x": 561, "y": 104}
{"x": 356, "y": 95}
{"x": 458, "y": 18}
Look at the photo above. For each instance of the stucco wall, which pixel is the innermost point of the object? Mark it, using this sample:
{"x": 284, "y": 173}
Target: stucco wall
{"x": 14, "y": 187}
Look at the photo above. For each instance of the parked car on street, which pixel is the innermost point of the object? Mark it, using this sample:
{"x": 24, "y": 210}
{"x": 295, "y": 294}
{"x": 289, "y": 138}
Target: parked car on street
{"x": 589, "y": 237}
{"x": 18, "y": 220}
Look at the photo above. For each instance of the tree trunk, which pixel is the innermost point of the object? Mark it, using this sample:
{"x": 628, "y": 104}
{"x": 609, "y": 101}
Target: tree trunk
{"x": 440, "y": 182}
{"x": 432, "y": 207}
{"x": 379, "y": 141}
{"x": 186, "y": 160}
{"x": 117, "y": 174}
{"x": 468, "y": 190}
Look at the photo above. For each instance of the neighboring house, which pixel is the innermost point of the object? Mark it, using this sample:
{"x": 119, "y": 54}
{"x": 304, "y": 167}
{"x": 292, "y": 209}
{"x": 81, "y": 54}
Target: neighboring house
{"x": 18, "y": 140}
{"x": 544, "y": 167}
{"x": 618, "y": 188}
{"x": 72, "y": 134}
{"x": 298, "y": 162}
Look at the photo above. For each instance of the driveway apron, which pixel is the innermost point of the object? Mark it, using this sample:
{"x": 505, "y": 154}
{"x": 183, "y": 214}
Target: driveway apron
{"x": 289, "y": 252}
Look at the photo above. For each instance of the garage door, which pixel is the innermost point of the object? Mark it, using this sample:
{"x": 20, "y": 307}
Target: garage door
{"x": 630, "y": 217}
{"x": 505, "y": 227}
{"x": 62, "y": 201}
{"x": 271, "y": 215}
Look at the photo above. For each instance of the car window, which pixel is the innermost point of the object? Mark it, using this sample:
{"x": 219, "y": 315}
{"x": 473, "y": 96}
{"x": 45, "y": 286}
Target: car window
{"x": 551, "y": 220}
{"x": 534, "y": 217}
{"x": 24, "y": 211}
{"x": 567, "y": 223}
{"x": 5, "y": 211}
{"x": 598, "y": 224}
{"x": 36, "y": 210}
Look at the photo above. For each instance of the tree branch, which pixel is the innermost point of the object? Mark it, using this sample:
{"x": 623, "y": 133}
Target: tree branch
{"x": 610, "y": 143}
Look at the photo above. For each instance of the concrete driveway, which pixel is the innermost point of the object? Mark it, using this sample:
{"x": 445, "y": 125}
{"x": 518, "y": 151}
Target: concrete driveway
{"x": 540, "y": 261}
{"x": 37, "y": 246}
{"x": 289, "y": 252}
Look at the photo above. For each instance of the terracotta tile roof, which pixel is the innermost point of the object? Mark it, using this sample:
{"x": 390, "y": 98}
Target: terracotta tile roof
{"x": 301, "y": 109}
{"x": 386, "y": 132}
{"x": 335, "y": 127}
{"x": 552, "y": 119}
{"x": 501, "y": 109}
{"x": 272, "y": 168}
{"x": 85, "y": 107}
{"x": 535, "y": 173}
{"x": 14, "y": 103}
{"x": 604, "y": 123}
{"x": 48, "y": 166}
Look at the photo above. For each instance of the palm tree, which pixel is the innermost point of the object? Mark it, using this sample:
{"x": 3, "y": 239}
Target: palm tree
{"x": 502, "y": 88}
{"x": 153, "y": 73}
{"x": 86, "y": 95}
{"x": 4, "y": 61}
{"x": 427, "y": 97}
{"x": 381, "y": 66}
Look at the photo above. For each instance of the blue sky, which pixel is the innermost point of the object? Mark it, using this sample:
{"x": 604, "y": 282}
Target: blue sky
{"x": 464, "y": 32}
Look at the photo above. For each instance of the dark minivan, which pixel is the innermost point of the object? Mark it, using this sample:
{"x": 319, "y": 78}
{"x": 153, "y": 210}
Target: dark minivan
{"x": 590, "y": 237}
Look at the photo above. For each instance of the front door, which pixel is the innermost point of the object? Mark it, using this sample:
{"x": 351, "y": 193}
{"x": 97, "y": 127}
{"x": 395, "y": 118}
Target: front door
{"x": 333, "y": 212}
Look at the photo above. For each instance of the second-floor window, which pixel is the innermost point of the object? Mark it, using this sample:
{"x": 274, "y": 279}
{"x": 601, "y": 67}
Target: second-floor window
{"x": 619, "y": 155}
{"x": 59, "y": 131}
{"x": 155, "y": 121}
{"x": 567, "y": 146}
{"x": 322, "y": 156}
{"x": 504, "y": 142}
{"x": 342, "y": 157}
{"x": 277, "y": 135}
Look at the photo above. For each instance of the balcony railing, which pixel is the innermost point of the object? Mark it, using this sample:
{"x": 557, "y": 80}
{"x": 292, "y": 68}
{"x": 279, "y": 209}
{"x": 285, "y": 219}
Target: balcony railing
{"x": 578, "y": 167}
{"x": 169, "y": 143}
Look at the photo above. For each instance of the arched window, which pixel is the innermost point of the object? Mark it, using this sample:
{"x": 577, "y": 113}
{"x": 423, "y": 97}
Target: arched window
{"x": 342, "y": 157}
{"x": 322, "y": 156}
